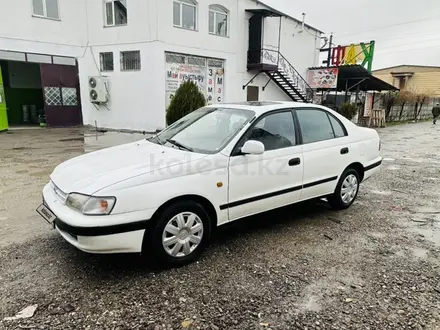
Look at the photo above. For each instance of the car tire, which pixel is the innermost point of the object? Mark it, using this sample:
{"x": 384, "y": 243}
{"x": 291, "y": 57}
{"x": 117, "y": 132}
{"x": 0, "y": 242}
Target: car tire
{"x": 180, "y": 234}
{"x": 346, "y": 191}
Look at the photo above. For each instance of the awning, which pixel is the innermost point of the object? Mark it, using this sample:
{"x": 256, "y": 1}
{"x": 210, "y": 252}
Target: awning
{"x": 265, "y": 12}
{"x": 354, "y": 77}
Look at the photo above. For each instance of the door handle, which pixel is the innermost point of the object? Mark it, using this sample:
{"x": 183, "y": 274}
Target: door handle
{"x": 294, "y": 161}
{"x": 344, "y": 151}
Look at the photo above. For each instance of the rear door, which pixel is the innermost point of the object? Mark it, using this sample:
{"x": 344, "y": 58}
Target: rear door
{"x": 326, "y": 151}
{"x": 3, "y": 113}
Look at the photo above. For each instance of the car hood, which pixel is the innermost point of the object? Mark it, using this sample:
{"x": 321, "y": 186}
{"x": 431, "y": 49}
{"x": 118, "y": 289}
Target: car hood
{"x": 92, "y": 172}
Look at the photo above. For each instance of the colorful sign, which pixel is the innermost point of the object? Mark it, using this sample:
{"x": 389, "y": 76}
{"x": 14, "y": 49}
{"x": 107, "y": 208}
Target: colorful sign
{"x": 209, "y": 79}
{"x": 323, "y": 78}
{"x": 361, "y": 53}
{"x": 178, "y": 73}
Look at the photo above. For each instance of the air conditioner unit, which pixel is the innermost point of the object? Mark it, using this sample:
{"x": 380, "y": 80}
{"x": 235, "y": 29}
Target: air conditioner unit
{"x": 98, "y": 89}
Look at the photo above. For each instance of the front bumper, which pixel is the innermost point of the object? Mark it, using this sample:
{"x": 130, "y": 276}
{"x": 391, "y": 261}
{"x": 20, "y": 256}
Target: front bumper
{"x": 118, "y": 233}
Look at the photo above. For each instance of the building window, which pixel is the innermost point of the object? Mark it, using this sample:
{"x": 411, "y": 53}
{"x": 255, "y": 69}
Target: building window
{"x": 131, "y": 61}
{"x": 106, "y": 61}
{"x": 46, "y": 8}
{"x": 185, "y": 14}
{"x": 218, "y": 20}
{"x": 115, "y": 12}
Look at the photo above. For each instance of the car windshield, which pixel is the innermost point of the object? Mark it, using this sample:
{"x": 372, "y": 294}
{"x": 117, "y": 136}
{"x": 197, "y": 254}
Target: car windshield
{"x": 206, "y": 130}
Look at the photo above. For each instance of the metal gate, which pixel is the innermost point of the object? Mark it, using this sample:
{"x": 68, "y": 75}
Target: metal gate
{"x": 61, "y": 95}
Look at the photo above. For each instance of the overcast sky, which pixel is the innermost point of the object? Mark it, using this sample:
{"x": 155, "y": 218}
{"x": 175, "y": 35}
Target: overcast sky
{"x": 406, "y": 31}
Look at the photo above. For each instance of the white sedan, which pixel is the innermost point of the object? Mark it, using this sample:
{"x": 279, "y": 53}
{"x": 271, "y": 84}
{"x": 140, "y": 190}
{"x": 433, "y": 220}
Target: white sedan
{"x": 165, "y": 195}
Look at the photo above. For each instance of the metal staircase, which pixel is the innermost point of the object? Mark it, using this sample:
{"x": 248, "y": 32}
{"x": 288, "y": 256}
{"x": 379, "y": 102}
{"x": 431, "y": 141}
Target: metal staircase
{"x": 282, "y": 73}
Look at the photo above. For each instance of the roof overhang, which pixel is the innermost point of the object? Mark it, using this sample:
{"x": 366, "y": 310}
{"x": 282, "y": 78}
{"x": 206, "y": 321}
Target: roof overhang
{"x": 265, "y": 12}
{"x": 354, "y": 77}
{"x": 281, "y": 14}
{"x": 402, "y": 74}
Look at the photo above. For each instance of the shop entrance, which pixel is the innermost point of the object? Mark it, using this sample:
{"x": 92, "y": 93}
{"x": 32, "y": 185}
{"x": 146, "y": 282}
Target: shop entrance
{"x": 23, "y": 100}
{"x": 38, "y": 90}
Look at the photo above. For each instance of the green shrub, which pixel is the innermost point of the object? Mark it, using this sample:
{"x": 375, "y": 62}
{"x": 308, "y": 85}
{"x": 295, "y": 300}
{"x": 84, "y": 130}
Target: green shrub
{"x": 188, "y": 98}
{"x": 348, "y": 110}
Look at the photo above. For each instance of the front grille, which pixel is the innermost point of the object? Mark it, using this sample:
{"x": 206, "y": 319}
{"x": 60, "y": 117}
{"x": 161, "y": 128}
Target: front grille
{"x": 62, "y": 196}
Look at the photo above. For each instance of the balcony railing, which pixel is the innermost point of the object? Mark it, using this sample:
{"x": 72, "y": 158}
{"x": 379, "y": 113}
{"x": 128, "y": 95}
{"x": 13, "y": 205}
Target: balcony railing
{"x": 274, "y": 58}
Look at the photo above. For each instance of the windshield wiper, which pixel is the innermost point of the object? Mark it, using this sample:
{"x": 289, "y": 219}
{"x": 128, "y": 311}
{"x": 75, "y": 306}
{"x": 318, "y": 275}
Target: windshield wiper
{"x": 159, "y": 141}
{"x": 179, "y": 145}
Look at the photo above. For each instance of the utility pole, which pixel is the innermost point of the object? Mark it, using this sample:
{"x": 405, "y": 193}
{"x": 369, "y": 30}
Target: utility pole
{"x": 328, "y": 50}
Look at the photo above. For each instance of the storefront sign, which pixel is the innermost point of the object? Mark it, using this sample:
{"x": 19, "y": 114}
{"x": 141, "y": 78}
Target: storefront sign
{"x": 361, "y": 53}
{"x": 178, "y": 73}
{"x": 323, "y": 78}
{"x": 209, "y": 77}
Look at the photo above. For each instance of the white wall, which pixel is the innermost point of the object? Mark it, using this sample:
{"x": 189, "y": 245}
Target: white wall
{"x": 137, "y": 99}
{"x": 20, "y": 31}
{"x": 140, "y": 21}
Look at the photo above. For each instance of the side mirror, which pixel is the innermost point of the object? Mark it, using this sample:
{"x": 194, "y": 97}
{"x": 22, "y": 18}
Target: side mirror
{"x": 252, "y": 147}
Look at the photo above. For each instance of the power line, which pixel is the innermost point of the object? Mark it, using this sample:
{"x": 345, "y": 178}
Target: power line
{"x": 392, "y": 25}
{"x": 409, "y": 50}
{"x": 403, "y": 35}
{"x": 409, "y": 44}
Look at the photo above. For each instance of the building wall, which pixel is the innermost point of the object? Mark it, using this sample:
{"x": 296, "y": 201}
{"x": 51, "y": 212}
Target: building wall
{"x": 425, "y": 79}
{"x": 137, "y": 99}
{"x": 21, "y": 31}
{"x": 130, "y": 107}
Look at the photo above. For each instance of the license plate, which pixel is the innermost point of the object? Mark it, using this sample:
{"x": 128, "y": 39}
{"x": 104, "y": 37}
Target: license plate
{"x": 46, "y": 213}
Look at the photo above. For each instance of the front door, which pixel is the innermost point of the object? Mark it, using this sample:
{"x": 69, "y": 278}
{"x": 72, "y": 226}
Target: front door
{"x": 255, "y": 39}
{"x": 3, "y": 112}
{"x": 258, "y": 183}
{"x": 252, "y": 93}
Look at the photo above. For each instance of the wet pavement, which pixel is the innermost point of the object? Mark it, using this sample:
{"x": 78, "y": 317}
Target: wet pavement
{"x": 374, "y": 266}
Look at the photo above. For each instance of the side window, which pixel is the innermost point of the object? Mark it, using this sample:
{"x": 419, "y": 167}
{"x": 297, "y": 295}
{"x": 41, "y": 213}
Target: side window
{"x": 337, "y": 127}
{"x": 275, "y": 131}
{"x": 315, "y": 125}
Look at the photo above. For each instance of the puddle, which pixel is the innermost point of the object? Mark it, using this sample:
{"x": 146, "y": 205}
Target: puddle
{"x": 72, "y": 139}
{"x": 381, "y": 192}
{"x": 312, "y": 304}
{"x": 429, "y": 233}
{"x": 427, "y": 225}
{"x": 420, "y": 253}
{"x": 425, "y": 210}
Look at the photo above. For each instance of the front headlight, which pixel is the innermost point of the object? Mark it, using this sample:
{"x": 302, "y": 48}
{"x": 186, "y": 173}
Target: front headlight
{"x": 90, "y": 205}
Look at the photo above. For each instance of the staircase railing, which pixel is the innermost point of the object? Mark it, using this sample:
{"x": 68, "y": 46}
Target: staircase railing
{"x": 274, "y": 57}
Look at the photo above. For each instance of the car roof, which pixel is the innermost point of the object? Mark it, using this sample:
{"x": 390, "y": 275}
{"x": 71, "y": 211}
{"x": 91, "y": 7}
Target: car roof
{"x": 260, "y": 107}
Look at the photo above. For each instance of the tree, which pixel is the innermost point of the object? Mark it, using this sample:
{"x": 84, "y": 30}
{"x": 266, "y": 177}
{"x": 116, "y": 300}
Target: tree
{"x": 188, "y": 98}
{"x": 389, "y": 100}
{"x": 404, "y": 98}
{"x": 348, "y": 110}
{"x": 420, "y": 98}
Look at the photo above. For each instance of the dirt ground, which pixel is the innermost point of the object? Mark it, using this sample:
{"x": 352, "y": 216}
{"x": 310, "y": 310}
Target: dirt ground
{"x": 374, "y": 266}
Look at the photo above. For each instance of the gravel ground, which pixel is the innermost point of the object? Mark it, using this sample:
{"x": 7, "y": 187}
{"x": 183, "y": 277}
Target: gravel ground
{"x": 374, "y": 266}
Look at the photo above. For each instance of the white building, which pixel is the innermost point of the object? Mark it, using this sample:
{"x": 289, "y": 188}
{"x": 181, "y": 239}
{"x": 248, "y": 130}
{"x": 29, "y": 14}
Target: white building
{"x": 145, "y": 48}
